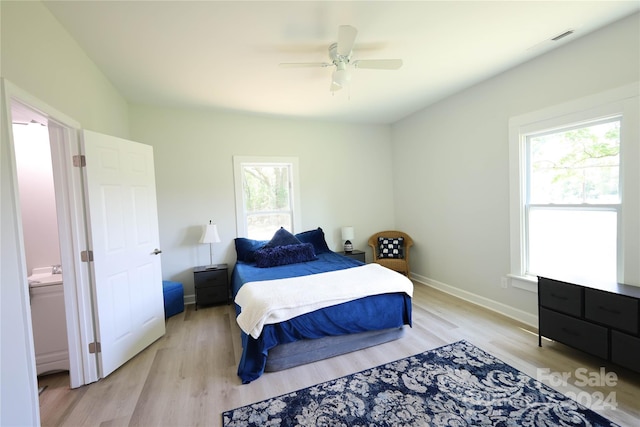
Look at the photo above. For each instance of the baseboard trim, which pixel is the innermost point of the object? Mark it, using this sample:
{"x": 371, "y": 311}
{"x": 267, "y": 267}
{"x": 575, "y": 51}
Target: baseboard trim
{"x": 498, "y": 307}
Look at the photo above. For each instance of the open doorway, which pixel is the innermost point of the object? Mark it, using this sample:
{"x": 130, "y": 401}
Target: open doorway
{"x": 39, "y": 214}
{"x": 112, "y": 287}
{"x": 51, "y": 229}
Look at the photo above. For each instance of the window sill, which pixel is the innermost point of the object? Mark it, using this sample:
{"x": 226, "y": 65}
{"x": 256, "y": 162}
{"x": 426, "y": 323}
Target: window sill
{"x": 527, "y": 283}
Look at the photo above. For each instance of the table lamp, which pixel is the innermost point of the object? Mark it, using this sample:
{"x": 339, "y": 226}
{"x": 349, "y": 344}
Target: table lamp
{"x": 347, "y": 235}
{"x": 210, "y": 235}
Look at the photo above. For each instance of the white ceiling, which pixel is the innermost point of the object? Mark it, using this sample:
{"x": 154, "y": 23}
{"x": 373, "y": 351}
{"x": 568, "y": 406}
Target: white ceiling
{"x": 225, "y": 54}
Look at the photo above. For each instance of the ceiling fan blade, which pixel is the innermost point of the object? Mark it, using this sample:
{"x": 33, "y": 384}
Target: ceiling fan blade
{"x": 346, "y": 39}
{"x": 379, "y": 64}
{"x": 303, "y": 64}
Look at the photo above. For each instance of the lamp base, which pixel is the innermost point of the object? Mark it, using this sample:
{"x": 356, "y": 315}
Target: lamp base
{"x": 348, "y": 247}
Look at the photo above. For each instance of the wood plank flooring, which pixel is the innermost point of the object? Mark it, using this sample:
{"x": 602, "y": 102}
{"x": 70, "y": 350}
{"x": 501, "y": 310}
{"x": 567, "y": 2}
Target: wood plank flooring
{"x": 188, "y": 377}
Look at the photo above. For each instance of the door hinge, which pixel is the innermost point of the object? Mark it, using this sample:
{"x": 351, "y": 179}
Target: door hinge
{"x": 86, "y": 256}
{"x": 79, "y": 161}
{"x": 94, "y": 347}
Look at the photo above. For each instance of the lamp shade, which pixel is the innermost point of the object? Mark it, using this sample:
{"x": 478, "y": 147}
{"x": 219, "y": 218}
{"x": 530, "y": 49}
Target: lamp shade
{"x": 210, "y": 234}
{"x": 341, "y": 77}
{"x": 347, "y": 233}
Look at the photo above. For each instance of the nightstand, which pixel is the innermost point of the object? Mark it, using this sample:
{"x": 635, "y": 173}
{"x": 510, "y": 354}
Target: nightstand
{"x": 355, "y": 254}
{"x": 211, "y": 285}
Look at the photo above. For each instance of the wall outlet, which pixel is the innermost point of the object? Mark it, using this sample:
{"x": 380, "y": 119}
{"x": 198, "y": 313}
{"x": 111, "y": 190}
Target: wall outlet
{"x": 504, "y": 282}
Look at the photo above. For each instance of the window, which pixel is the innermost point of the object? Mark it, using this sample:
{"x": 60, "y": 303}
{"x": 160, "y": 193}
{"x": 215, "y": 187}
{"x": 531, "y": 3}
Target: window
{"x": 573, "y": 201}
{"x": 265, "y": 196}
{"x": 575, "y": 191}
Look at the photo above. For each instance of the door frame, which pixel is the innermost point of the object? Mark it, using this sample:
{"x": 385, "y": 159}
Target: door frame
{"x": 70, "y": 203}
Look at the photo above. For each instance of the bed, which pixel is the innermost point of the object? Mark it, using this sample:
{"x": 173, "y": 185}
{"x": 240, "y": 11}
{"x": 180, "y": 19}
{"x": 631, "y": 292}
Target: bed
{"x": 319, "y": 311}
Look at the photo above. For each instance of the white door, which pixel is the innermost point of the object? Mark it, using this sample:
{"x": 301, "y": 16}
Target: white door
{"x": 123, "y": 222}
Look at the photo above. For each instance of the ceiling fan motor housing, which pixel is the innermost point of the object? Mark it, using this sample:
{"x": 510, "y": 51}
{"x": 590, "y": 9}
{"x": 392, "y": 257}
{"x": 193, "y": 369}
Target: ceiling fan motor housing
{"x": 338, "y": 59}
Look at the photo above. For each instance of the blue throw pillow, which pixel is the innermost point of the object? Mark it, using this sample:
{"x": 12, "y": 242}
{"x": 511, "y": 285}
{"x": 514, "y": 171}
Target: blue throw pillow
{"x": 282, "y": 238}
{"x": 390, "y": 247}
{"x": 316, "y": 238}
{"x": 284, "y": 255}
{"x": 245, "y": 248}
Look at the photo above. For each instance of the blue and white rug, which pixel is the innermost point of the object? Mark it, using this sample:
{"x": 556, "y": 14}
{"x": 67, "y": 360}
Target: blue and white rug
{"x": 454, "y": 385}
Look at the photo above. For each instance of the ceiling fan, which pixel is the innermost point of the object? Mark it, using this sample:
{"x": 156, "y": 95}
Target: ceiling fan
{"x": 340, "y": 55}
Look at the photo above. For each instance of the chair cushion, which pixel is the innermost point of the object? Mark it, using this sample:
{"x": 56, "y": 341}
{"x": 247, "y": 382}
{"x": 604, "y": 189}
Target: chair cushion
{"x": 390, "y": 247}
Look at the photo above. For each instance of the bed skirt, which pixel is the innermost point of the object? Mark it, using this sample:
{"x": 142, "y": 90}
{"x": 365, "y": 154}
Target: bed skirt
{"x": 285, "y": 356}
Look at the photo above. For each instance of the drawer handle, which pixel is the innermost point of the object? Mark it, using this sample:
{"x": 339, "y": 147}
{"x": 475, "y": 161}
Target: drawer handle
{"x": 609, "y": 310}
{"x": 560, "y": 297}
{"x": 571, "y": 331}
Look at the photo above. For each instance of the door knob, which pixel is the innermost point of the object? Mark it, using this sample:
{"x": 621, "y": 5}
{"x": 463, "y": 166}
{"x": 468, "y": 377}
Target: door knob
{"x": 156, "y": 251}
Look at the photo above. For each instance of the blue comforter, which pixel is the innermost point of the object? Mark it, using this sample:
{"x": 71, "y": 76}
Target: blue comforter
{"x": 365, "y": 314}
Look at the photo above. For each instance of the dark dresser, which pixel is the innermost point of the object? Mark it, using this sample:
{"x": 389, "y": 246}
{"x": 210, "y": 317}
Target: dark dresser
{"x": 600, "y": 320}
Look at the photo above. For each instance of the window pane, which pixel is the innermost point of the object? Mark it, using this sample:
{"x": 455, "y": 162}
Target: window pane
{"x": 267, "y": 199}
{"x": 576, "y": 166}
{"x": 264, "y": 226}
{"x": 266, "y": 188}
{"x": 573, "y": 243}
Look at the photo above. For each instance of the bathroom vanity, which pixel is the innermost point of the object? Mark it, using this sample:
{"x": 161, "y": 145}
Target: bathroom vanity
{"x": 49, "y": 322}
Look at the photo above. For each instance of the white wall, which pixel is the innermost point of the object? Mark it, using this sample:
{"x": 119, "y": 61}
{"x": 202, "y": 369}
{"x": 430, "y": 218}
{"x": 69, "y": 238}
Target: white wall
{"x": 345, "y": 177}
{"x": 41, "y": 58}
{"x": 452, "y": 165}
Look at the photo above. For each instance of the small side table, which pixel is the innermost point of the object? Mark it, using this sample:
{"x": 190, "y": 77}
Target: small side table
{"x": 355, "y": 254}
{"x": 211, "y": 284}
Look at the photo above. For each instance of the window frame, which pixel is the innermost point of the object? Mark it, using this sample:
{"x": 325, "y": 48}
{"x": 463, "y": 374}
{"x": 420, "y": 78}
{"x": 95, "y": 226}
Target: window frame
{"x": 621, "y": 102}
{"x": 241, "y": 215}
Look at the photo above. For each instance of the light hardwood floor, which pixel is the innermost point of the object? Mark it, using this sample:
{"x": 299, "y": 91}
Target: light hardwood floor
{"x": 188, "y": 377}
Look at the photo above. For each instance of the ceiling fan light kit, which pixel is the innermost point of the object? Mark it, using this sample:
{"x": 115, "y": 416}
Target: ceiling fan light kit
{"x": 340, "y": 55}
{"x": 341, "y": 76}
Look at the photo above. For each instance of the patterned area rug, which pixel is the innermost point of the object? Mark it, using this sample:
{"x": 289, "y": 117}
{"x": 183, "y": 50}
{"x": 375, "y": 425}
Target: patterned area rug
{"x": 454, "y": 385}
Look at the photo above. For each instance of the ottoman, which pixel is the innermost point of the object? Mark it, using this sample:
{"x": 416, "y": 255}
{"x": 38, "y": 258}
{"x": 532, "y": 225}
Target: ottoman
{"x": 173, "y": 298}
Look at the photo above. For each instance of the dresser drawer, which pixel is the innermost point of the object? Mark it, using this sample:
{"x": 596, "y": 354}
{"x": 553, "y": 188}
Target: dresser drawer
{"x": 576, "y": 333}
{"x": 560, "y": 296}
{"x": 617, "y": 311}
{"x": 625, "y": 350}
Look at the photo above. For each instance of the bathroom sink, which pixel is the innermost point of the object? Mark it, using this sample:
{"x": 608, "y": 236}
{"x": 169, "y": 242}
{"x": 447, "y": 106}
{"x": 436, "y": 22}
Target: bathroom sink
{"x": 36, "y": 280}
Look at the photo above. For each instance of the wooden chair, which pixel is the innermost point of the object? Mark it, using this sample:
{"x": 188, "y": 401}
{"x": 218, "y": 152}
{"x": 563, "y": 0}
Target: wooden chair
{"x": 400, "y": 265}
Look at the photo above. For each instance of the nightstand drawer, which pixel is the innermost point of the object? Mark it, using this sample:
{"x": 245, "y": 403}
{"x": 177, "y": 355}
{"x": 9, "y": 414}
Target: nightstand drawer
{"x": 560, "y": 296}
{"x": 576, "y": 333}
{"x": 355, "y": 254}
{"x": 212, "y": 295}
{"x": 617, "y": 311}
{"x": 211, "y": 278}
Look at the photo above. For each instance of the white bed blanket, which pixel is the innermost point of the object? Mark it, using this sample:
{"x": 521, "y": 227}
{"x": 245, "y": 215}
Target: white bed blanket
{"x": 272, "y": 301}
